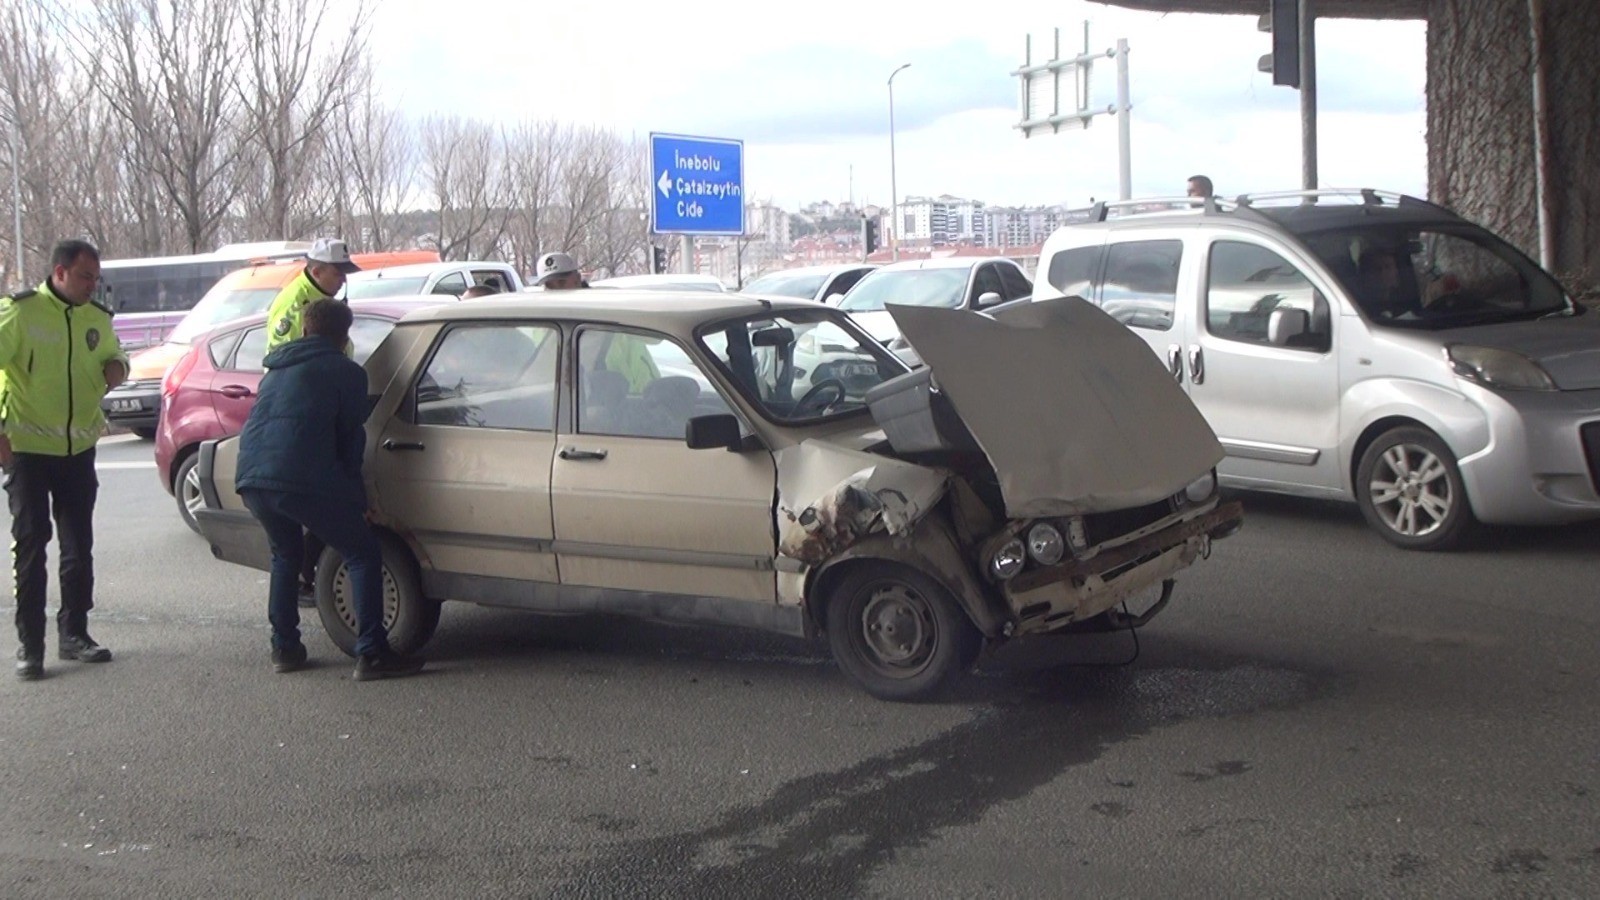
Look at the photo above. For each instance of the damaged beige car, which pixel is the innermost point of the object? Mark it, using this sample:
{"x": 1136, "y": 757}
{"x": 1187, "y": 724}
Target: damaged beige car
{"x": 764, "y": 463}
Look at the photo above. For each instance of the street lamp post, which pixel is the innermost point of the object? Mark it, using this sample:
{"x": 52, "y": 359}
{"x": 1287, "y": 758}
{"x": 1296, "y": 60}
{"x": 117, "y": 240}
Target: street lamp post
{"x": 894, "y": 187}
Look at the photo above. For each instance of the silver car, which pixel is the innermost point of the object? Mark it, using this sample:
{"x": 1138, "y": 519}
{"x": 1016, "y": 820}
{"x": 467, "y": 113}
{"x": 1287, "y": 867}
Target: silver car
{"x": 1362, "y": 346}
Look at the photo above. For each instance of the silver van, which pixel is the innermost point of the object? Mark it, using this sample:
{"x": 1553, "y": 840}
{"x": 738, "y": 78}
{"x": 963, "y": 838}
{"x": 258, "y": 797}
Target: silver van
{"x": 1358, "y": 345}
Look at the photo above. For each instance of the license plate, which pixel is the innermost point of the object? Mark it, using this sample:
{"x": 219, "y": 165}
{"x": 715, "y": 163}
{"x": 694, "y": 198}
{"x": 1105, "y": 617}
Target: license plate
{"x": 126, "y": 406}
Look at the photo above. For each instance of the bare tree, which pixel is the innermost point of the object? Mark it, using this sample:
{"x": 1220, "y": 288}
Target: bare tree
{"x": 169, "y": 69}
{"x": 534, "y": 150}
{"x": 463, "y": 165}
{"x": 300, "y": 74}
{"x": 33, "y": 84}
{"x": 376, "y": 147}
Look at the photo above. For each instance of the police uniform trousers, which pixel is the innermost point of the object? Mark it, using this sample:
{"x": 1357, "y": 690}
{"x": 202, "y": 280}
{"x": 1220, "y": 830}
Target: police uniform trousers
{"x": 40, "y": 488}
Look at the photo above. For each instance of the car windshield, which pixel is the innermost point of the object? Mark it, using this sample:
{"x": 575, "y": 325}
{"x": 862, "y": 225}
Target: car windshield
{"x": 912, "y": 287}
{"x": 370, "y": 288}
{"x": 1437, "y": 277}
{"x": 787, "y": 284}
{"x": 221, "y": 305}
{"x": 801, "y": 365}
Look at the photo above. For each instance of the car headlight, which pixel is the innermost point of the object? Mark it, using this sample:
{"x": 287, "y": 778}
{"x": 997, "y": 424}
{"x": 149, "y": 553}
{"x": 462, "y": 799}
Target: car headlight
{"x": 1201, "y": 489}
{"x": 1495, "y": 368}
{"x": 1009, "y": 560}
{"x": 1045, "y": 544}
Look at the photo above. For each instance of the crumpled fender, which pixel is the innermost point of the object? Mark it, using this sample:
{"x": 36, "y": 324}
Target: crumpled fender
{"x": 831, "y": 497}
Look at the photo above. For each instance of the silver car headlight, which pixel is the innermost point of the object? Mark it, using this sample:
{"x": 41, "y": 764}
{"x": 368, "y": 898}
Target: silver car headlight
{"x": 1495, "y": 368}
{"x": 1201, "y": 489}
{"x": 1009, "y": 560}
{"x": 1046, "y": 544}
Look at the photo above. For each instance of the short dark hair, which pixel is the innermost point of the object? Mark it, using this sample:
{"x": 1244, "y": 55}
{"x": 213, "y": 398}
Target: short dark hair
{"x": 1204, "y": 183}
{"x": 69, "y": 251}
{"x": 330, "y": 319}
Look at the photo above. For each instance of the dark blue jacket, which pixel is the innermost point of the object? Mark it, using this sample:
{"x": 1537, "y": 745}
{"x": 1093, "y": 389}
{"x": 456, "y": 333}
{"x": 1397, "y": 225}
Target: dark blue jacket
{"x": 306, "y": 434}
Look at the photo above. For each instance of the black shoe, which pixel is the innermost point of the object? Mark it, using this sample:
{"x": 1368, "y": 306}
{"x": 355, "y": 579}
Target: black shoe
{"x": 387, "y": 664}
{"x": 30, "y": 666}
{"x": 308, "y": 597}
{"x": 289, "y": 659}
{"x": 82, "y": 648}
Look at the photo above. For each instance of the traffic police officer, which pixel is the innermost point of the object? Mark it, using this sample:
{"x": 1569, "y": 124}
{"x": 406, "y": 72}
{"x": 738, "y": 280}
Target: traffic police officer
{"x": 327, "y": 262}
{"x": 58, "y": 357}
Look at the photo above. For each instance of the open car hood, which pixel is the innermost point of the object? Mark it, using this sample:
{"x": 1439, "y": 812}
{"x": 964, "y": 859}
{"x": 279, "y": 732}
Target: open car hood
{"x": 1073, "y": 411}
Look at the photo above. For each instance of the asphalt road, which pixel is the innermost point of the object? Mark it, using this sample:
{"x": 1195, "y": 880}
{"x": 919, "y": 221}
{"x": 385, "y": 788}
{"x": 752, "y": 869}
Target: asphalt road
{"x": 1315, "y": 715}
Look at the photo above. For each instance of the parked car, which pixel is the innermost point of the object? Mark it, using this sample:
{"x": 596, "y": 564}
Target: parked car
{"x": 660, "y": 455}
{"x": 209, "y": 392}
{"x": 136, "y": 403}
{"x": 954, "y": 282}
{"x": 1361, "y": 346}
{"x": 447, "y": 278}
{"x": 663, "y": 282}
{"x": 824, "y": 284}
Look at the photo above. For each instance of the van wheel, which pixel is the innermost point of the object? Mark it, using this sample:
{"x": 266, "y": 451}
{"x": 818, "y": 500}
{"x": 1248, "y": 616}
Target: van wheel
{"x": 408, "y": 616}
{"x": 897, "y": 633}
{"x": 1411, "y": 492}
{"x": 186, "y": 490}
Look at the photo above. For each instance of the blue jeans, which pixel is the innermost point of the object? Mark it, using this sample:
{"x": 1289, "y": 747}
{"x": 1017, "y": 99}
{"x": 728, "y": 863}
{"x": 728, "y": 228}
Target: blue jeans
{"x": 341, "y": 525}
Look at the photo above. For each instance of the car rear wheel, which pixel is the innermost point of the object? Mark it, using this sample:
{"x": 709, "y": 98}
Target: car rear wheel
{"x": 409, "y": 617}
{"x": 897, "y": 633}
{"x": 186, "y": 490}
{"x": 1411, "y": 492}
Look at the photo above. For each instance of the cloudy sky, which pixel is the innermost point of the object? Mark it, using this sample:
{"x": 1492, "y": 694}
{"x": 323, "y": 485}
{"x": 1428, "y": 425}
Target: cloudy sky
{"x": 805, "y": 90}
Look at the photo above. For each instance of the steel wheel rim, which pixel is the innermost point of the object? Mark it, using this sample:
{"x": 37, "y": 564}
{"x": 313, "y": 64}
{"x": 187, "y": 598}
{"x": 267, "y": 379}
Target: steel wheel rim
{"x": 897, "y": 629}
{"x": 344, "y": 601}
{"x": 1411, "y": 490}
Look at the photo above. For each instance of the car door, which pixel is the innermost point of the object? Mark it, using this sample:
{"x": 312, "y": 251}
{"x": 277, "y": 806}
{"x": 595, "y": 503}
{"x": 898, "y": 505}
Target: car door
{"x": 463, "y": 464}
{"x": 1138, "y": 287}
{"x": 635, "y": 508}
{"x": 1275, "y": 407}
{"x": 237, "y": 379}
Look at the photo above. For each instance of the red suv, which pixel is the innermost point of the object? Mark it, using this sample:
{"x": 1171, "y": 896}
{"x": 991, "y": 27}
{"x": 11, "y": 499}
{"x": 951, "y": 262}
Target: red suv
{"x": 208, "y": 392}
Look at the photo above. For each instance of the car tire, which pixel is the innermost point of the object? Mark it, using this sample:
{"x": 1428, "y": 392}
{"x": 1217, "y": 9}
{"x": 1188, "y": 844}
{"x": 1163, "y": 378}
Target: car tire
{"x": 144, "y": 434}
{"x": 897, "y": 633}
{"x": 408, "y": 615}
{"x": 186, "y": 490}
{"x": 1411, "y": 492}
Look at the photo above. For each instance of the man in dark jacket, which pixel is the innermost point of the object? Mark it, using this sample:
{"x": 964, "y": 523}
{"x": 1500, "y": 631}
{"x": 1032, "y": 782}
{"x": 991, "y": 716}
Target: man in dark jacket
{"x": 300, "y": 457}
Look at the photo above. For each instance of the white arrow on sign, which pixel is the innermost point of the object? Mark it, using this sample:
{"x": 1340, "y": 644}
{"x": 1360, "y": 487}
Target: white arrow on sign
{"x": 665, "y": 184}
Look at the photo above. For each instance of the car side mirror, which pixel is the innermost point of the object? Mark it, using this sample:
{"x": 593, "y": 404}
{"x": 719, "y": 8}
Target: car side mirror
{"x": 1283, "y": 325}
{"x": 716, "y": 432}
{"x": 988, "y": 298}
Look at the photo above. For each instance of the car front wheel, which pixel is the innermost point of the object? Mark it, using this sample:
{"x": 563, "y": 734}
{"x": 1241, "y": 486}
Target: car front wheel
{"x": 1411, "y": 492}
{"x": 897, "y": 633}
{"x": 409, "y": 617}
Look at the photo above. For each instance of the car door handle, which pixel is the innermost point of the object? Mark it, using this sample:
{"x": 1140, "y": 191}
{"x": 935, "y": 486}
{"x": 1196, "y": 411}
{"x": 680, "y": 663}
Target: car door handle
{"x": 236, "y": 391}
{"x": 1197, "y": 365}
{"x": 575, "y": 453}
{"x": 1175, "y": 361}
{"x": 393, "y": 445}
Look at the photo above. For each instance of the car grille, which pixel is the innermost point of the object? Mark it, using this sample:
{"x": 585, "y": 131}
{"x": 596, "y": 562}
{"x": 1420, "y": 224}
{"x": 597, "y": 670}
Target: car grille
{"x": 1591, "y": 450}
{"x": 1102, "y": 527}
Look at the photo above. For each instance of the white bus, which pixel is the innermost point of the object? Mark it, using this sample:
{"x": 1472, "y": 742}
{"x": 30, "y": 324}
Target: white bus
{"x": 148, "y": 296}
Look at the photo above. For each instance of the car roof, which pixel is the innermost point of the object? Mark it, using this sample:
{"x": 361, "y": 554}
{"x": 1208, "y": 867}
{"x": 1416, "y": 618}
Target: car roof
{"x": 414, "y": 269}
{"x": 671, "y": 311}
{"x": 824, "y": 269}
{"x": 940, "y": 262}
{"x": 383, "y": 307}
{"x": 623, "y": 281}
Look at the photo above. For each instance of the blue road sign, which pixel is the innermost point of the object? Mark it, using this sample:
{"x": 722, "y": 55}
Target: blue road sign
{"x": 698, "y": 185}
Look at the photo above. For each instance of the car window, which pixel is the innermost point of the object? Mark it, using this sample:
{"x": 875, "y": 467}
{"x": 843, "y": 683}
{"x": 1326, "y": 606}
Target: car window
{"x": 1072, "y": 271}
{"x": 915, "y": 287}
{"x": 640, "y": 385}
{"x": 801, "y": 365}
{"x": 252, "y": 348}
{"x": 490, "y": 376}
{"x": 1140, "y": 288}
{"x": 494, "y": 278}
{"x": 788, "y": 284}
{"x": 221, "y": 305}
{"x": 219, "y": 348}
{"x": 366, "y": 333}
{"x": 987, "y": 281}
{"x": 1016, "y": 284}
{"x": 358, "y": 288}
{"x": 452, "y": 284}
{"x": 1246, "y": 282}
{"x": 844, "y": 281}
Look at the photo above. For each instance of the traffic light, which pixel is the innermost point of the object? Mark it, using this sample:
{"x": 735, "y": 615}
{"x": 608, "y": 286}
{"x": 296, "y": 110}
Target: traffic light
{"x": 658, "y": 260}
{"x": 869, "y": 234}
{"x": 1284, "y": 61}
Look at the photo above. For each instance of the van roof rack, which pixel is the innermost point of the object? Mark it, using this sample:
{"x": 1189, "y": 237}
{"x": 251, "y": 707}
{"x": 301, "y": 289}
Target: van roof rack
{"x": 1251, "y": 205}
